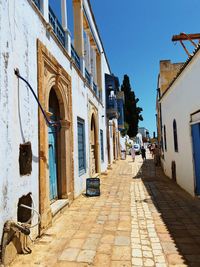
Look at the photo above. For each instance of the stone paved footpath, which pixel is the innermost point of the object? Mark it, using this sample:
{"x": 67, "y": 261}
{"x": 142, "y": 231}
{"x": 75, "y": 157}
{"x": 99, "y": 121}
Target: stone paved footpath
{"x": 141, "y": 219}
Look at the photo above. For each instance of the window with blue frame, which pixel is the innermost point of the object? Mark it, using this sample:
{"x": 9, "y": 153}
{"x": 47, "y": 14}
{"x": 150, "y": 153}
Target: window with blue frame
{"x": 175, "y": 136}
{"x": 81, "y": 146}
{"x": 165, "y": 138}
{"x": 102, "y": 150}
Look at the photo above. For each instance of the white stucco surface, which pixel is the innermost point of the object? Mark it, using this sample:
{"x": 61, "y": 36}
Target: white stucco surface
{"x": 19, "y": 110}
{"x": 179, "y": 103}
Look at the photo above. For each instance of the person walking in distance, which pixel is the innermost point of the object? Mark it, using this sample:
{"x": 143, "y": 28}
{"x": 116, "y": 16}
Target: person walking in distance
{"x": 143, "y": 152}
{"x": 133, "y": 153}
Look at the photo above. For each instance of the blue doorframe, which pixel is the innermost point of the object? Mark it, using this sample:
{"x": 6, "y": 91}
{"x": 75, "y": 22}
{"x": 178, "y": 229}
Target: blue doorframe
{"x": 196, "y": 154}
{"x": 52, "y": 136}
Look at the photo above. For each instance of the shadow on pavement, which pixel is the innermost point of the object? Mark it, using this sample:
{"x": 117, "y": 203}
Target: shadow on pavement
{"x": 180, "y": 213}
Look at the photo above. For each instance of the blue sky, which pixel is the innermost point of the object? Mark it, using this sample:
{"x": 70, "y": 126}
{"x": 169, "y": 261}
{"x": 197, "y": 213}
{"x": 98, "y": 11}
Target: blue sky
{"x": 137, "y": 34}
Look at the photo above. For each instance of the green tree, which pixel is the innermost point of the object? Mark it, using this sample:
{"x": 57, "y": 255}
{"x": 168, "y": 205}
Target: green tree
{"x": 132, "y": 111}
{"x": 125, "y": 130}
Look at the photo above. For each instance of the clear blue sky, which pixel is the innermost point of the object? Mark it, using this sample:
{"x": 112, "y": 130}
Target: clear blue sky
{"x": 136, "y": 35}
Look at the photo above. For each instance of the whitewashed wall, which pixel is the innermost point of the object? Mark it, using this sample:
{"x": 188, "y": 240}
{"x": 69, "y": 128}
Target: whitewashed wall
{"x": 19, "y": 110}
{"x": 180, "y": 101}
{"x": 81, "y": 96}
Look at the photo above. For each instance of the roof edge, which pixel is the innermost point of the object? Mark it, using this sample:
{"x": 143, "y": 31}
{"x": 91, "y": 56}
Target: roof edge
{"x": 93, "y": 17}
{"x": 181, "y": 70}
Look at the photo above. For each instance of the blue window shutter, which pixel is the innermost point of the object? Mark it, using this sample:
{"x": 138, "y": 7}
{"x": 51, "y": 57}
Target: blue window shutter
{"x": 81, "y": 146}
{"x": 102, "y": 150}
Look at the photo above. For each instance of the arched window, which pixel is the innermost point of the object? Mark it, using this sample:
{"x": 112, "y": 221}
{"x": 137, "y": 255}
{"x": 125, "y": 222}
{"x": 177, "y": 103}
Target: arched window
{"x": 165, "y": 139}
{"x": 175, "y": 136}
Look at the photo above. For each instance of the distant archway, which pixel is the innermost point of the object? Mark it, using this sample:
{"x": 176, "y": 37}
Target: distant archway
{"x": 114, "y": 142}
{"x": 108, "y": 142}
{"x": 93, "y": 146}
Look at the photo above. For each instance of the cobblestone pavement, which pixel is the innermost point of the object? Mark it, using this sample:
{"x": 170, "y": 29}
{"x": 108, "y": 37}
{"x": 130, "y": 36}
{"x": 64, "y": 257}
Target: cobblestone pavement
{"x": 141, "y": 219}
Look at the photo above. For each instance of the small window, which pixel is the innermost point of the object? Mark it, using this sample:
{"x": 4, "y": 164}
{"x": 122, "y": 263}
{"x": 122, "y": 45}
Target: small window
{"x": 175, "y": 136}
{"x": 81, "y": 146}
{"x": 165, "y": 139}
{"x": 24, "y": 214}
{"x": 25, "y": 159}
{"x": 102, "y": 150}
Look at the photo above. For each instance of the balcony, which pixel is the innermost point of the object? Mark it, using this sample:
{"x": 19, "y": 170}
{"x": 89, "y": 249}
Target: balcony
{"x": 57, "y": 28}
{"x": 112, "y": 102}
{"x": 37, "y": 3}
{"x": 87, "y": 76}
{"x": 75, "y": 57}
{"x": 100, "y": 95}
{"x": 120, "y": 107}
{"x": 112, "y": 111}
{"x": 95, "y": 88}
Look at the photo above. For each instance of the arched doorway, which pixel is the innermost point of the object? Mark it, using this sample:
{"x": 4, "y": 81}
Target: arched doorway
{"x": 56, "y": 165}
{"x": 114, "y": 141}
{"x": 93, "y": 147}
{"x": 108, "y": 142}
{"x": 53, "y": 146}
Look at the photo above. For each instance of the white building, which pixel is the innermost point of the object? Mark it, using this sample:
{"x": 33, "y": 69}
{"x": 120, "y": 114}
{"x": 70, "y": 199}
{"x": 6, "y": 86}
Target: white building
{"x": 144, "y": 132}
{"x": 41, "y": 163}
{"x": 179, "y": 121}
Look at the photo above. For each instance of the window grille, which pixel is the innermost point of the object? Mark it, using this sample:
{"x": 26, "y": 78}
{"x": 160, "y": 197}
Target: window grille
{"x": 102, "y": 150}
{"x": 81, "y": 146}
{"x": 165, "y": 139}
{"x": 175, "y": 136}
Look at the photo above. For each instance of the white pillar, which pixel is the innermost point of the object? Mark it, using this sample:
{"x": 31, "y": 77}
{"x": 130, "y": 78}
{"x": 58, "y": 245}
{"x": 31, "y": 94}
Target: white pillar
{"x": 93, "y": 65}
{"x": 89, "y": 55}
{"x": 87, "y": 52}
{"x": 45, "y": 9}
{"x": 65, "y": 25}
{"x": 64, "y": 14}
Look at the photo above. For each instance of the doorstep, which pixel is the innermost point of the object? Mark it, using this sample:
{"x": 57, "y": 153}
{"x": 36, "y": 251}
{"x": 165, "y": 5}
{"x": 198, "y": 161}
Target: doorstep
{"x": 58, "y": 205}
{"x": 96, "y": 175}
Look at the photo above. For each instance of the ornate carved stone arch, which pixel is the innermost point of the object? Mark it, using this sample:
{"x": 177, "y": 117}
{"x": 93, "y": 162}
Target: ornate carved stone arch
{"x": 94, "y": 144}
{"x": 51, "y": 76}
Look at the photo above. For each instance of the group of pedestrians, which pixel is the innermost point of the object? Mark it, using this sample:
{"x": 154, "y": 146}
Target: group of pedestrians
{"x": 154, "y": 151}
{"x": 143, "y": 153}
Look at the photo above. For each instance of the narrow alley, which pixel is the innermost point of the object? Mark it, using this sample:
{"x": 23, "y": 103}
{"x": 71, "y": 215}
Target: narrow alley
{"x": 141, "y": 219}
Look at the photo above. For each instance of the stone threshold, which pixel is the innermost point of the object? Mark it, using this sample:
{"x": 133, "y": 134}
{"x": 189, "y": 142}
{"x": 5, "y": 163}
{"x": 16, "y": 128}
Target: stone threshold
{"x": 58, "y": 205}
{"x": 96, "y": 175}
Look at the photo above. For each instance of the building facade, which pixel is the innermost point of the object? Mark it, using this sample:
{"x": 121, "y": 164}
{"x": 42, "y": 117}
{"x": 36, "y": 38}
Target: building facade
{"x": 54, "y": 129}
{"x": 115, "y": 116}
{"x": 179, "y": 124}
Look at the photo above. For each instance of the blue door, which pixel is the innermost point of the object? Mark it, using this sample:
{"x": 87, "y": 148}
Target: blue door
{"x": 196, "y": 154}
{"x": 52, "y": 161}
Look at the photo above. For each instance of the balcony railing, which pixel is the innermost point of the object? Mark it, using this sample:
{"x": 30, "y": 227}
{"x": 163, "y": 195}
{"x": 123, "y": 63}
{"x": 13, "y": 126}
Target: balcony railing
{"x": 112, "y": 111}
{"x": 87, "y": 76}
{"x": 60, "y": 33}
{"x": 75, "y": 57}
{"x": 112, "y": 103}
{"x": 100, "y": 95}
{"x": 95, "y": 88}
{"x": 57, "y": 28}
{"x": 37, "y": 3}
